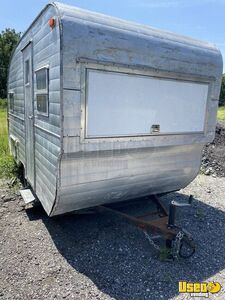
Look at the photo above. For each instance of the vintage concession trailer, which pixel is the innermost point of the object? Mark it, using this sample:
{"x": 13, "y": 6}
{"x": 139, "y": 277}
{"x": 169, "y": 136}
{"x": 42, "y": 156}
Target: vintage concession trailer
{"x": 103, "y": 110}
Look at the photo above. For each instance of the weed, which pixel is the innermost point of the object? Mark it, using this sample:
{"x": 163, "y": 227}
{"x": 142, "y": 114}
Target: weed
{"x": 221, "y": 113}
{"x": 165, "y": 254}
{"x": 8, "y": 167}
{"x": 3, "y": 103}
{"x": 200, "y": 214}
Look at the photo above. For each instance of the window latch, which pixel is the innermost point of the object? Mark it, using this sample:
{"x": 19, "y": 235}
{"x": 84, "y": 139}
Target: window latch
{"x": 155, "y": 128}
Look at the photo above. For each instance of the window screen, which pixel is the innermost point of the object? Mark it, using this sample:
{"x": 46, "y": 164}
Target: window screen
{"x": 42, "y": 96}
{"x": 11, "y": 101}
{"x": 27, "y": 71}
{"x": 41, "y": 77}
{"x": 42, "y": 103}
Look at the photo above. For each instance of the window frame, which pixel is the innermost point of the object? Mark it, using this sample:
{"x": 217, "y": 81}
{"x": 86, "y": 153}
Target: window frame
{"x": 11, "y": 108}
{"x": 44, "y": 92}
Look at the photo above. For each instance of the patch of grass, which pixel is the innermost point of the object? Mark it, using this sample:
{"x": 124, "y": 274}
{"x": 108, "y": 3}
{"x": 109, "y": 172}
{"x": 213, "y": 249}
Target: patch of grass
{"x": 4, "y": 148}
{"x": 8, "y": 167}
{"x": 3, "y": 103}
{"x": 221, "y": 114}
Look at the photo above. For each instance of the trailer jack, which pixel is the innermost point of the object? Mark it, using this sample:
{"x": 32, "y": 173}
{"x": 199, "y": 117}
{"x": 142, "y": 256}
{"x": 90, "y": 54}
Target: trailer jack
{"x": 178, "y": 241}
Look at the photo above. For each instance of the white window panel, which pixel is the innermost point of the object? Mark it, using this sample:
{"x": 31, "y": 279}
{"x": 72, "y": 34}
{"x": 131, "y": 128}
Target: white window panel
{"x": 118, "y": 104}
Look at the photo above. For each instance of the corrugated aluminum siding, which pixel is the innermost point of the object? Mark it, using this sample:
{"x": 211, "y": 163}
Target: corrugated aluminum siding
{"x": 46, "y": 51}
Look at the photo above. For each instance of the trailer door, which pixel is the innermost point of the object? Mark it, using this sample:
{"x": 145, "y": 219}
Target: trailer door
{"x": 29, "y": 112}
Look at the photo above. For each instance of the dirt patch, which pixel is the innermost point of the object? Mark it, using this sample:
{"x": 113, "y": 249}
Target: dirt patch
{"x": 213, "y": 159}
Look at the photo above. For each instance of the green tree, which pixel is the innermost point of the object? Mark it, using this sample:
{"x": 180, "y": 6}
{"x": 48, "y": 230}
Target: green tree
{"x": 8, "y": 40}
{"x": 222, "y": 92}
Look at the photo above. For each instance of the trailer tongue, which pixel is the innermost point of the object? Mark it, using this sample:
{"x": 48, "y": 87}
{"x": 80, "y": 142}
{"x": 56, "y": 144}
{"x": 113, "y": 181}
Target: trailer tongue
{"x": 160, "y": 221}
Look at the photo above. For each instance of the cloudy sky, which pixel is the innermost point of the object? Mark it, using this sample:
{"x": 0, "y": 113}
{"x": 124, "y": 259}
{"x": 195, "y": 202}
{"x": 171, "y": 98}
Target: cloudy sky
{"x": 201, "y": 19}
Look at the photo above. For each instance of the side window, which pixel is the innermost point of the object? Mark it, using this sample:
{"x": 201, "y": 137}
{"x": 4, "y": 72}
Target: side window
{"x": 27, "y": 71}
{"x": 11, "y": 101}
{"x": 42, "y": 96}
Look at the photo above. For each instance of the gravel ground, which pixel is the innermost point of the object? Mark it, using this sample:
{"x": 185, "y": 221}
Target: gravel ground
{"x": 101, "y": 256}
{"x": 213, "y": 159}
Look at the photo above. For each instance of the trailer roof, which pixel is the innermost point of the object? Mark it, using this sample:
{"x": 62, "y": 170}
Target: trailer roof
{"x": 65, "y": 11}
{"x": 71, "y": 12}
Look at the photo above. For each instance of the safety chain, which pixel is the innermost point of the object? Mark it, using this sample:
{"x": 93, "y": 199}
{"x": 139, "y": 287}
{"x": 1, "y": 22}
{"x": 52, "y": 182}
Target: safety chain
{"x": 151, "y": 240}
{"x": 176, "y": 244}
{"x": 183, "y": 237}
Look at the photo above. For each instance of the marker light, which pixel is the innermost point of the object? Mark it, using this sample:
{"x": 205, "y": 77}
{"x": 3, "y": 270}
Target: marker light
{"x": 51, "y": 22}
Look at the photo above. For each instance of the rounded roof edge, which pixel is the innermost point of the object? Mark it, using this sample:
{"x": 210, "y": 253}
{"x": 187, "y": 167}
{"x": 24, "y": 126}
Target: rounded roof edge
{"x": 36, "y": 18}
{"x": 118, "y": 23}
{"x": 27, "y": 30}
{"x": 32, "y": 23}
